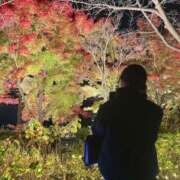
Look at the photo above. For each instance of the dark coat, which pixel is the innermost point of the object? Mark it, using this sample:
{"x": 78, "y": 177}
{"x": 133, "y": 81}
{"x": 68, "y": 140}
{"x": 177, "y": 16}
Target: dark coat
{"x": 128, "y": 124}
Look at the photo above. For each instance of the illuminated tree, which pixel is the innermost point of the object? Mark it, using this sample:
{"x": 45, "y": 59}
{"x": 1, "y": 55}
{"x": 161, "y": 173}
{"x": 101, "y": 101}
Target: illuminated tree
{"x": 147, "y": 8}
{"x": 57, "y": 56}
{"x": 39, "y": 54}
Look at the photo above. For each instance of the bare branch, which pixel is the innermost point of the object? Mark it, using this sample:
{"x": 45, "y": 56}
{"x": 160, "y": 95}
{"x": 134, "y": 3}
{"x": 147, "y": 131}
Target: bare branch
{"x": 158, "y": 11}
{"x": 8, "y": 2}
{"x": 157, "y": 31}
{"x": 115, "y": 8}
{"x": 167, "y": 24}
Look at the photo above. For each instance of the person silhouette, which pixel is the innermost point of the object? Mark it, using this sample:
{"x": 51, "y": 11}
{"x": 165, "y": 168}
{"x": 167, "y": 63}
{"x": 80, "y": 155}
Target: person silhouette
{"x": 128, "y": 124}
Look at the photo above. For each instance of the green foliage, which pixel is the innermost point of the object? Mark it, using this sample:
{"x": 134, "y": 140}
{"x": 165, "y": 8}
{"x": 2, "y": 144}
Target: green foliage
{"x": 49, "y": 60}
{"x": 33, "y": 69}
{"x": 4, "y": 56}
{"x": 171, "y": 120}
{"x": 168, "y": 147}
{"x": 170, "y": 102}
{"x": 60, "y": 160}
{"x": 36, "y": 134}
{"x": 41, "y": 53}
{"x": 22, "y": 157}
{"x": 4, "y": 38}
{"x": 47, "y": 54}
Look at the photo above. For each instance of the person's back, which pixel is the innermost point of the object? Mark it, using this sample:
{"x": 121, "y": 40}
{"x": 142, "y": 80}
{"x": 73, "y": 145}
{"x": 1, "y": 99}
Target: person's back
{"x": 130, "y": 124}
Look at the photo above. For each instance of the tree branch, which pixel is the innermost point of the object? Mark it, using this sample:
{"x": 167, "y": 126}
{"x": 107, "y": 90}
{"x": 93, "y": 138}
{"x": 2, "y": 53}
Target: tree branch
{"x": 167, "y": 23}
{"x": 115, "y": 8}
{"x": 158, "y": 11}
{"x": 6, "y": 3}
{"x": 157, "y": 31}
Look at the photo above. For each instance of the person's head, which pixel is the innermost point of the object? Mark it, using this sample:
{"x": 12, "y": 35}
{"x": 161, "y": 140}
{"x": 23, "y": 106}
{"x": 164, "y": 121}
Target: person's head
{"x": 134, "y": 76}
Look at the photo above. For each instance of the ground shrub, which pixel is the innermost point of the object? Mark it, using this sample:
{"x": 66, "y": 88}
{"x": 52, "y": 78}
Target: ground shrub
{"x": 62, "y": 159}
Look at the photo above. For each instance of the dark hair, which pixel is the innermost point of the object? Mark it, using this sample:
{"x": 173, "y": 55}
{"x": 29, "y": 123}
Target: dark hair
{"x": 134, "y": 76}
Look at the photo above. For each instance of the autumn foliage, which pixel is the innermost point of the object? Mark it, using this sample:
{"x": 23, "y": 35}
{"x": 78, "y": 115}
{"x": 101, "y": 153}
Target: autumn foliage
{"x": 46, "y": 52}
{"x": 58, "y": 65}
{"x": 40, "y": 50}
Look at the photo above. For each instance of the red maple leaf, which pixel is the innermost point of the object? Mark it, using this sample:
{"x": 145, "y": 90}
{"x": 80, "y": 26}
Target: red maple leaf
{"x": 177, "y": 55}
{"x": 12, "y": 48}
{"x": 23, "y": 3}
{"x": 142, "y": 24}
{"x": 27, "y": 115}
{"x": 25, "y": 23}
{"x": 156, "y": 20}
{"x": 83, "y": 23}
{"x": 23, "y": 50}
{"x": 43, "y": 13}
{"x": 6, "y": 16}
{"x": 10, "y": 84}
{"x": 152, "y": 76}
{"x": 42, "y": 73}
{"x": 9, "y": 100}
{"x": 63, "y": 7}
{"x": 76, "y": 109}
{"x": 27, "y": 38}
{"x": 1, "y": 48}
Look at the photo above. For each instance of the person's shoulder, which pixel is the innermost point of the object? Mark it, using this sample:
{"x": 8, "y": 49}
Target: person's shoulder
{"x": 155, "y": 107}
{"x": 112, "y": 95}
{"x": 153, "y": 104}
{"x": 118, "y": 92}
